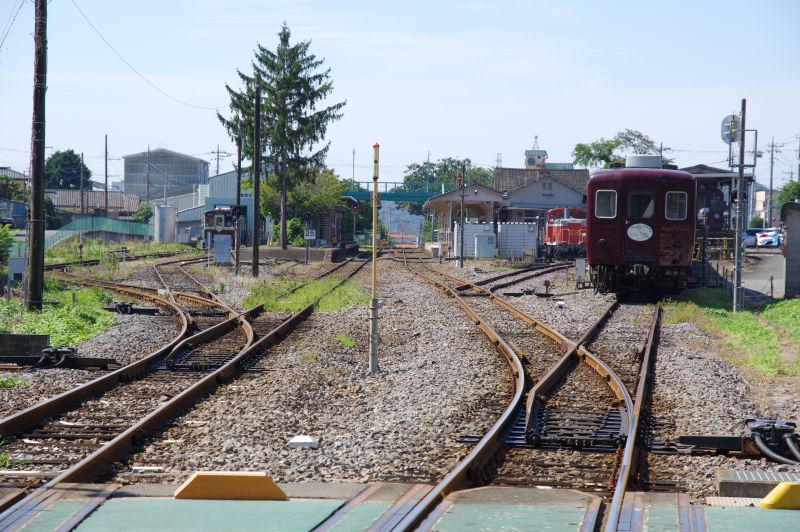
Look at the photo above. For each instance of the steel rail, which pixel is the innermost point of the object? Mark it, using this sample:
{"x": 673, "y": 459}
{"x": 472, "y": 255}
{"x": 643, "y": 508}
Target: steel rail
{"x": 488, "y": 445}
{"x": 24, "y": 419}
{"x": 628, "y": 455}
{"x": 120, "y": 446}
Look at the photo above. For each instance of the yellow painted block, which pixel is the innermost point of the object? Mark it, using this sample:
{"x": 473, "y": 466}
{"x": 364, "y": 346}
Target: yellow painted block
{"x": 230, "y": 485}
{"x": 785, "y": 496}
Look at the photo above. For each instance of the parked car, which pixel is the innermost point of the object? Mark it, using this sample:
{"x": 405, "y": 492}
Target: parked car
{"x": 749, "y": 236}
{"x": 768, "y": 238}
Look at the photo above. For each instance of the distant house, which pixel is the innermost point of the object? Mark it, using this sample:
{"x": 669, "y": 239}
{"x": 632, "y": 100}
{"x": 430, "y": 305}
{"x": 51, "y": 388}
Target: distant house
{"x": 538, "y": 187}
{"x": 15, "y": 175}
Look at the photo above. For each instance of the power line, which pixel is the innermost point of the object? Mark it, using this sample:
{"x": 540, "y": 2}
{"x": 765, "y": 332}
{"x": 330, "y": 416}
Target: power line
{"x": 165, "y": 93}
{"x": 10, "y": 23}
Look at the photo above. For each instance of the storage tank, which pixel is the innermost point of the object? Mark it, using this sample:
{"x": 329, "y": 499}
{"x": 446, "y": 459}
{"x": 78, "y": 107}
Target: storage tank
{"x": 165, "y": 220}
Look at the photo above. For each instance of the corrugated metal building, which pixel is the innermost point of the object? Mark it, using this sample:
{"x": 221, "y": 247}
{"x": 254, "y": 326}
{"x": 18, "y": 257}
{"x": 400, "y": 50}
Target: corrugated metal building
{"x": 119, "y": 204}
{"x": 163, "y": 173}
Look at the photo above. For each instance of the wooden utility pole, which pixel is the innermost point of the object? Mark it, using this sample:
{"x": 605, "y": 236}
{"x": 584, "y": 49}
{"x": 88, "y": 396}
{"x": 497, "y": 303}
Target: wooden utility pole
{"x": 256, "y": 176}
{"x": 373, "y": 302}
{"x": 37, "y": 221}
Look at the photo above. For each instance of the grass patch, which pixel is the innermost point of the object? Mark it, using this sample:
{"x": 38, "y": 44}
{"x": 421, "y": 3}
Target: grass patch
{"x": 97, "y": 248}
{"x": 5, "y": 460}
{"x": 67, "y": 323}
{"x": 266, "y": 293}
{"x": 7, "y": 381}
{"x": 309, "y": 357}
{"x": 345, "y": 340}
{"x": 753, "y": 338}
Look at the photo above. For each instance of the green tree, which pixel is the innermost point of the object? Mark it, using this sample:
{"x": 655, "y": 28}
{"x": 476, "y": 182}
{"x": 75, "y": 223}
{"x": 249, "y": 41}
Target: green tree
{"x": 317, "y": 195}
{"x": 13, "y": 189}
{"x": 63, "y": 170}
{"x": 606, "y": 153}
{"x": 429, "y": 177}
{"x": 143, "y": 212}
{"x": 788, "y": 192}
{"x": 756, "y": 222}
{"x": 6, "y": 241}
{"x": 50, "y": 214}
{"x": 292, "y": 126}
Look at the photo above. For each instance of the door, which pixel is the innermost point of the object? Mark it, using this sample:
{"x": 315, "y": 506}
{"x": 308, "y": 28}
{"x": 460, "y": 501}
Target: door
{"x": 640, "y": 211}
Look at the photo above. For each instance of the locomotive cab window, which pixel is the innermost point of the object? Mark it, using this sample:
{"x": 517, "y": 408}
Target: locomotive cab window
{"x": 675, "y": 208}
{"x": 605, "y": 204}
{"x": 641, "y": 205}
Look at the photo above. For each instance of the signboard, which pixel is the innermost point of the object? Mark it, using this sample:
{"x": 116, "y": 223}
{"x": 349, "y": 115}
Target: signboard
{"x": 310, "y": 234}
{"x": 731, "y": 130}
{"x": 222, "y": 249}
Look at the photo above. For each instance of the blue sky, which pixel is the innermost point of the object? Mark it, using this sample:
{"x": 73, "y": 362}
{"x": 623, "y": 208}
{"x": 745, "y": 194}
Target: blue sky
{"x": 453, "y": 78}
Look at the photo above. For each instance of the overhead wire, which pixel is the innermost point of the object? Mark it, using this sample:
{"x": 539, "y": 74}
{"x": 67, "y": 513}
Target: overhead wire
{"x": 10, "y": 23}
{"x": 153, "y": 85}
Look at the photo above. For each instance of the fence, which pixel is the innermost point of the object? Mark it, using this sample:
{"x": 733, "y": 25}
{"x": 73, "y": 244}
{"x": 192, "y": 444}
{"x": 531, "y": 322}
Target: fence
{"x": 90, "y": 224}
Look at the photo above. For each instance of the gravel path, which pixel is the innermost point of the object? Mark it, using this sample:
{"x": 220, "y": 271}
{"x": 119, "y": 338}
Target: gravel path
{"x": 439, "y": 378}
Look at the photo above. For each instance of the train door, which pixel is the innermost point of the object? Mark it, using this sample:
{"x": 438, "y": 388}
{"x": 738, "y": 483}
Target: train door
{"x": 604, "y": 234}
{"x": 641, "y": 214}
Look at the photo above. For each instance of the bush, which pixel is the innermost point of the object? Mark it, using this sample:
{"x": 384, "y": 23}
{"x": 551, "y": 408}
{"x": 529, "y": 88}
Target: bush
{"x": 756, "y": 222}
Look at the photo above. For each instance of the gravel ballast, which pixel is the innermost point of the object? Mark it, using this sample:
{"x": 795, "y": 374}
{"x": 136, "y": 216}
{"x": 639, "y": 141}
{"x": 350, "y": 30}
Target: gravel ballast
{"x": 440, "y": 378}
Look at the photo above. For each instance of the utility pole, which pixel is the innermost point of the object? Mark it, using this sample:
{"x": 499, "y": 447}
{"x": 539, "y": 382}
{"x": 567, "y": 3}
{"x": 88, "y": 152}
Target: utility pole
{"x": 105, "y": 194}
{"x": 37, "y": 221}
{"x": 737, "y": 261}
{"x": 461, "y": 233}
{"x": 353, "y": 178}
{"x": 373, "y": 302}
{"x": 768, "y": 221}
{"x": 219, "y": 153}
{"x": 238, "y": 200}
{"x": 256, "y": 177}
{"x": 81, "y": 187}
{"x": 147, "y": 178}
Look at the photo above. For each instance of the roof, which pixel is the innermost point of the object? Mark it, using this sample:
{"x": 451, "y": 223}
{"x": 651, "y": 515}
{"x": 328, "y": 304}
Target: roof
{"x": 455, "y": 195}
{"x": 93, "y": 199}
{"x": 642, "y": 174}
{"x": 710, "y": 173}
{"x": 506, "y": 179}
{"x": 164, "y": 151}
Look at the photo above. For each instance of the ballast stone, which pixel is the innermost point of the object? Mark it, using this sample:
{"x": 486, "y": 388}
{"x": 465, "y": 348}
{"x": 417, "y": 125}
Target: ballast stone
{"x": 303, "y": 442}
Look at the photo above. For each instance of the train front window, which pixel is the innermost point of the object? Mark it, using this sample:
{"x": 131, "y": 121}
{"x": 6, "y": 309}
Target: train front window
{"x": 641, "y": 205}
{"x": 675, "y": 208}
{"x": 605, "y": 204}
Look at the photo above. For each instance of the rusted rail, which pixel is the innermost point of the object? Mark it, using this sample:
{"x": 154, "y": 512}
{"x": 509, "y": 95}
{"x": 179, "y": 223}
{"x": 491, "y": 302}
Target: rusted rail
{"x": 487, "y": 446}
{"x": 120, "y": 446}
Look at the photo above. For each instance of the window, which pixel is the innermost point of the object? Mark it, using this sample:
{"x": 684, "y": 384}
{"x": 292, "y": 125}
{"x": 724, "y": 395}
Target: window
{"x": 641, "y": 205}
{"x": 529, "y": 216}
{"x": 676, "y": 205}
{"x": 605, "y": 204}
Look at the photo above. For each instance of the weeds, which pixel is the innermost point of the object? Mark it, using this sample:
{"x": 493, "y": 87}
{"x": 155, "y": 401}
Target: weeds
{"x": 751, "y": 338}
{"x": 309, "y": 357}
{"x": 345, "y": 340}
{"x": 267, "y": 293}
{"x": 7, "y": 381}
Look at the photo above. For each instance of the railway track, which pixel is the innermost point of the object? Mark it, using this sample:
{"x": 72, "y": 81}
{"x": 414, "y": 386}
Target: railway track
{"x": 79, "y": 436}
{"x": 577, "y": 427}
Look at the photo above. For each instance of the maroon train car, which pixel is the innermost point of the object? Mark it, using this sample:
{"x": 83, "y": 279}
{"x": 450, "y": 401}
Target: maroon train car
{"x": 640, "y": 228}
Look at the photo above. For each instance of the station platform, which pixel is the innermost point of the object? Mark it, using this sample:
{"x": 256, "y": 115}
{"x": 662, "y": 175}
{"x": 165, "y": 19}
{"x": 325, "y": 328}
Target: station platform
{"x": 380, "y": 506}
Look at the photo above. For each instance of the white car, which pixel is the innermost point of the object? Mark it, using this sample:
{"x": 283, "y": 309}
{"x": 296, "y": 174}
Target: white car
{"x": 768, "y": 238}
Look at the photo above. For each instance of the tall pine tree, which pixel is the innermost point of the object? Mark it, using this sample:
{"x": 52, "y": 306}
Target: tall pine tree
{"x": 292, "y": 128}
